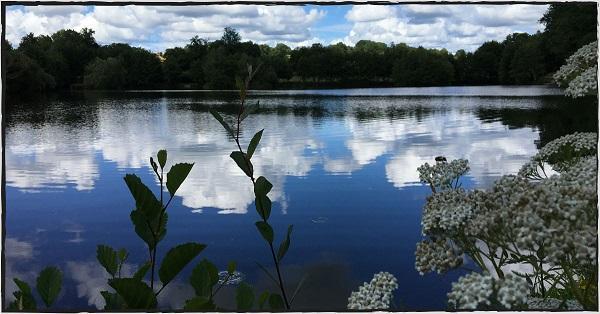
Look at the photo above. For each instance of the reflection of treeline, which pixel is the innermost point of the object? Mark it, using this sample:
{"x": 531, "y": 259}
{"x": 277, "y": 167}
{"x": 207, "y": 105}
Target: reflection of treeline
{"x": 556, "y": 118}
{"x": 68, "y": 59}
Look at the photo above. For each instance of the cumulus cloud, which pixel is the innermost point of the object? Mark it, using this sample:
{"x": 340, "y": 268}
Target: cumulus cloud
{"x": 451, "y": 27}
{"x": 161, "y": 27}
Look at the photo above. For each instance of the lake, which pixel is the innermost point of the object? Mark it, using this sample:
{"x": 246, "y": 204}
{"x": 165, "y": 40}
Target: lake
{"x": 342, "y": 162}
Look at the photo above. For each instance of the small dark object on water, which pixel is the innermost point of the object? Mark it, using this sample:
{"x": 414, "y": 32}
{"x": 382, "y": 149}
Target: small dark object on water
{"x": 440, "y": 159}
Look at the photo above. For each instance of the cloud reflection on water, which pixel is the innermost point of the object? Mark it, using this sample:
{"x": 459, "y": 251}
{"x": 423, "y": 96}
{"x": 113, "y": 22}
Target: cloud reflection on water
{"x": 409, "y": 131}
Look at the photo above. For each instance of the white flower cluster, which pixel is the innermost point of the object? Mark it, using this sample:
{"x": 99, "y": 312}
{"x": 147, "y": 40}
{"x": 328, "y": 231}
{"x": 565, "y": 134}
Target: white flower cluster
{"x": 471, "y": 291}
{"x": 446, "y": 212}
{"x": 480, "y": 291}
{"x": 584, "y": 84}
{"x": 437, "y": 255}
{"x": 374, "y": 295}
{"x": 579, "y": 74}
{"x": 542, "y": 304}
{"x": 559, "y": 213}
{"x": 562, "y": 152}
{"x": 443, "y": 174}
{"x": 512, "y": 290}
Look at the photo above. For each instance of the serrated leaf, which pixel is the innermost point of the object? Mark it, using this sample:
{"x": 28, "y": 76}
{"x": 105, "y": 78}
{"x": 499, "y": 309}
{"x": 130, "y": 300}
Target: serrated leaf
{"x": 141, "y": 272}
{"x": 276, "y": 302}
{"x": 107, "y": 257}
{"x": 231, "y": 267}
{"x": 142, "y": 227}
{"x": 177, "y": 175}
{"x": 204, "y": 276}
{"x": 254, "y": 143}
{"x": 145, "y": 201}
{"x": 112, "y": 301}
{"x": 244, "y": 297}
{"x": 262, "y": 186}
{"x": 162, "y": 158}
{"x": 24, "y": 297}
{"x": 176, "y": 259}
{"x": 223, "y": 123}
{"x": 199, "y": 303}
{"x": 285, "y": 244}
{"x": 135, "y": 293}
{"x": 265, "y": 230}
{"x": 263, "y": 206}
{"x": 262, "y": 299}
{"x": 242, "y": 162}
{"x": 48, "y": 284}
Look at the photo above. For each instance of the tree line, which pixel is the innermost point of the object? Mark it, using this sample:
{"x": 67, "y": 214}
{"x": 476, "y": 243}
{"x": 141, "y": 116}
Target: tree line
{"x": 69, "y": 59}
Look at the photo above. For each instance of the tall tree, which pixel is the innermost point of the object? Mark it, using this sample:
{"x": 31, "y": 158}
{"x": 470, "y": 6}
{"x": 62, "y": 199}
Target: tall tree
{"x": 568, "y": 26}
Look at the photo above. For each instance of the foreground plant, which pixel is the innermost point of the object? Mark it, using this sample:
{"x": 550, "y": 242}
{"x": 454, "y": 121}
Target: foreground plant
{"x": 374, "y": 295}
{"x": 262, "y": 187}
{"x": 543, "y": 223}
{"x": 579, "y": 75}
{"x": 48, "y": 286}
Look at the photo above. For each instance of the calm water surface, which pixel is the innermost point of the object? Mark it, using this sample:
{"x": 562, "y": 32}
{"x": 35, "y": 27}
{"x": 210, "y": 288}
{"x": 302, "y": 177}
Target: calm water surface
{"x": 342, "y": 162}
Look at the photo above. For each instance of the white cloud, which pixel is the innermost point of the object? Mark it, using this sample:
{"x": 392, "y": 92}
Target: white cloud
{"x": 441, "y": 26}
{"x": 161, "y": 27}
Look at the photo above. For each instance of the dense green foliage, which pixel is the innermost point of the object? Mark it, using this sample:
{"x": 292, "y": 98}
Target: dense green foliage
{"x": 68, "y": 59}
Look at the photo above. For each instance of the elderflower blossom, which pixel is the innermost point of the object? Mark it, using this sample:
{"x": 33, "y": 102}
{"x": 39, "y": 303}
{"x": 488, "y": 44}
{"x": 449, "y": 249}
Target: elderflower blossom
{"x": 512, "y": 290}
{"x": 446, "y": 212}
{"x": 584, "y": 84}
{"x": 578, "y": 74}
{"x": 443, "y": 174}
{"x": 476, "y": 290}
{"x": 471, "y": 291}
{"x": 437, "y": 255}
{"x": 562, "y": 152}
{"x": 374, "y": 295}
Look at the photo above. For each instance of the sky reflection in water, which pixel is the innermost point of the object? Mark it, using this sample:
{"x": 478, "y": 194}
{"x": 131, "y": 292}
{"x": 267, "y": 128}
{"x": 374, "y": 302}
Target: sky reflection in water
{"x": 343, "y": 170}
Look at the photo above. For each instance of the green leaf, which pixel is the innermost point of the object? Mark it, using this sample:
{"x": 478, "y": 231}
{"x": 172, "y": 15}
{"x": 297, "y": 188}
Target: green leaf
{"x": 141, "y": 272}
{"x": 231, "y": 267}
{"x": 262, "y": 299}
{"x": 276, "y": 302}
{"x": 135, "y": 293}
{"x": 123, "y": 255}
{"x": 285, "y": 244}
{"x": 145, "y": 201}
{"x": 24, "y": 297}
{"x": 142, "y": 227}
{"x": 176, "y": 259}
{"x": 107, "y": 257}
{"x": 177, "y": 175}
{"x": 200, "y": 303}
{"x": 23, "y": 286}
{"x": 112, "y": 301}
{"x": 48, "y": 284}
{"x": 254, "y": 143}
{"x": 262, "y": 186}
{"x": 162, "y": 158}
{"x": 242, "y": 162}
{"x": 244, "y": 297}
{"x": 154, "y": 165}
{"x": 204, "y": 276}
{"x": 263, "y": 206}
{"x": 265, "y": 230}
{"x": 223, "y": 123}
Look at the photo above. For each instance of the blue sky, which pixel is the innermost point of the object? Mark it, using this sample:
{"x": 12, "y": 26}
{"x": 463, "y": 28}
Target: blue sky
{"x": 453, "y": 27}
